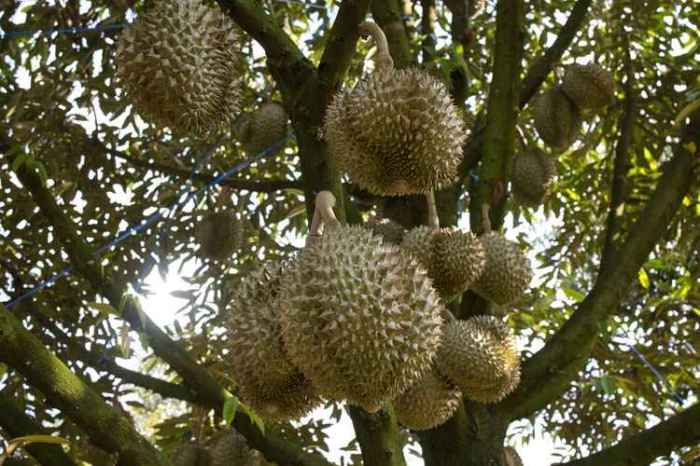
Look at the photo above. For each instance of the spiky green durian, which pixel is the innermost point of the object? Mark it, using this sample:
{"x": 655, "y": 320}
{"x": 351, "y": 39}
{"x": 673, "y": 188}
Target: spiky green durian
{"x": 219, "y": 235}
{"x": 428, "y": 403}
{"x": 268, "y": 382}
{"x": 228, "y": 447}
{"x": 454, "y": 259}
{"x": 396, "y": 132}
{"x": 512, "y": 457}
{"x": 178, "y": 64}
{"x": 360, "y": 319}
{"x": 263, "y": 128}
{"x": 507, "y": 273}
{"x": 390, "y": 231}
{"x": 556, "y": 119}
{"x": 190, "y": 455}
{"x": 590, "y": 87}
{"x": 480, "y": 356}
{"x": 532, "y": 177}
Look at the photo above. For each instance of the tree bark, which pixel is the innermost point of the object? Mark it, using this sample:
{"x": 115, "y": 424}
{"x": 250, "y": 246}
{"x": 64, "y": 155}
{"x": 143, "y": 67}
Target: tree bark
{"x": 378, "y": 436}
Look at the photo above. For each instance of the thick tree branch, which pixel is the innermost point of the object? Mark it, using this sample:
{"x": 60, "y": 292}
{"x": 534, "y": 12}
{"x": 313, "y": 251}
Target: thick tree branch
{"x": 17, "y": 423}
{"x": 620, "y": 183}
{"x": 378, "y": 436}
{"x": 106, "y": 427}
{"x": 550, "y": 371}
{"x": 387, "y": 14}
{"x": 680, "y": 430}
{"x": 539, "y": 70}
{"x": 200, "y": 382}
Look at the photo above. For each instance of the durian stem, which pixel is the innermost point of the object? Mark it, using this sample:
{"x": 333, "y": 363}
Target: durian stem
{"x": 485, "y": 219}
{"x": 383, "y": 61}
{"x": 433, "y": 218}
{"x": 323, "y": 215}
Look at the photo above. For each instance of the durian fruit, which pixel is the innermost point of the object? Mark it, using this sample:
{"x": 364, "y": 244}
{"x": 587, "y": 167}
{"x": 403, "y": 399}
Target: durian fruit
{"x": 178, "y": 64}
{"x": 219, "y": 235}
{"x": 268, "y": 382}
{"x": 397, "y": 132}
{"x": 512, "y": 457}
{"x": 263, "y": 128}
{"x": 389, "y": 230}
{"x": 507, "y": 273}
{"x": 360, "y": 319}
{"x": 228, "y": 447}
{"x": 480, "y": 356}
{"x": 454, "y": 259}
{"x": 190, "y": 455}
{"x": 590, "y": 87}
{"x": 532, "y": 177}
{"x": 430, "y": 402}
{"x": 557, "y": 119}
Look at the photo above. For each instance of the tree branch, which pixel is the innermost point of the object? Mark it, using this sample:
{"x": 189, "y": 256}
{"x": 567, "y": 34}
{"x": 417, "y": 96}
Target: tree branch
{"x": 539, "y": 70}
{"x": 680, "y": 430}
{"x": 550, "y": 371}
{"x": 108, "y": 428}
{"x": 201, "y": 383}
{"x": 387, "y": 14}
{"x": 378, "y": 436}
{"x": 17, "y": 423}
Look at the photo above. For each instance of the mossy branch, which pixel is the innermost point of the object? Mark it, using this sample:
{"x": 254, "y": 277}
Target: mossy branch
{"x": 378, "y": 436}
{"x": 106, "y": 426}
{"x": 17, "y": 423}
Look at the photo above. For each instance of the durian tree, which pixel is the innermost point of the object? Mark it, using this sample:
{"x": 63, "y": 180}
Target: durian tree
{"x": 465, "y": 221}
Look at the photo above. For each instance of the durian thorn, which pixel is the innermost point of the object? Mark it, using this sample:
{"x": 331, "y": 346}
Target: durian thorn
{"x": 433, "y": 219}
{"x": 485, "y": 219}
{"x": 383, "y": 60}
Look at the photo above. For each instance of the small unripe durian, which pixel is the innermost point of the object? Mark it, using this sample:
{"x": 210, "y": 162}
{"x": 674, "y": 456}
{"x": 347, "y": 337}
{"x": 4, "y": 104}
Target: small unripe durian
{"x": 178, "y": 64}
{"x": 454, "y": 259}
{"x": 556, "y": 119}
{"x": 360, "y": 319}
{"x": 389, "y": 230}
{"x": 512, "y": 457}
{"x": 480, "y": 356}
{"x": 397, "y": 132}
{"x": 190, "y": 455}
{"x": 533, "y": 173}
{"x": 219, "y": 235}
{"x": 263, "y": 128}
{"x": 590, "y": 87}
{"x": 507, "y": 273}
{"x": 430, "y": 402}
{"x": 228, "y": 447}
{"x": 268, "y": 382}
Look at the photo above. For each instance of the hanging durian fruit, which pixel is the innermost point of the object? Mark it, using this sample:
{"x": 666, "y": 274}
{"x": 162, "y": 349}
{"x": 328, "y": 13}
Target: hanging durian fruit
{"x": 263, "y": 128}
{"x": 397, "y": 132}
{"x": 430, "y": 402}
{"x": 228, "y": 447}
{"x": 590, "y": 87}
{"x": 512, "y": 457}
{"x": 268, "y": 382}
{"x": 556, "y": 119}
{"x": 454, "y": 259}
{"x": 178, "y": 64}
{"x": 219, "y": 235}
{"x": 360, "y": 319}
{"x": 190, "y": 455}
{"x": 532, "y": 177}
{"x": 507, "y": 273}
{"x": 480, "y": 356}
{"x": 389, "y": 230}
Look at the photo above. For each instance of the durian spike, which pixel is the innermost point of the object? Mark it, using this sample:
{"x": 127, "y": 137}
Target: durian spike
{"x": 485, "y": 219}
{"x": 383, "y": 62}
{"x": 449, "y": 317}
{"x": 433, "y": 219}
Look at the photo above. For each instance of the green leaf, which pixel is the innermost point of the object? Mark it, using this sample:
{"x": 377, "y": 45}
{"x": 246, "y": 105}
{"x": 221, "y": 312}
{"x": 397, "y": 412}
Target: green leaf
{"x": 230, "y": 407}
{"x": 19, "y": 161}
{"x": 644, "y": 278}
{"x": 39, "y": 439}
{"x": 573, "y": 294}
{"x": 104, "y": 308}
{"x": 257, "y": 420}
{"x": 608, "y": 384}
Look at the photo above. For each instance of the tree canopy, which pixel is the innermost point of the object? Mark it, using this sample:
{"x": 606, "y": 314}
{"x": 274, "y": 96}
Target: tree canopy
{"x": 98, "y": 198}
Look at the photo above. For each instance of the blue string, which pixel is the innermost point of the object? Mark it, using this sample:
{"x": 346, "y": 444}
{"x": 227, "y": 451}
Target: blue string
{"x": 136, "y": 229}
{"x": 75, "y": 30}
